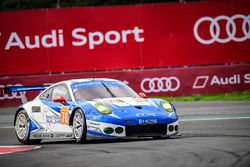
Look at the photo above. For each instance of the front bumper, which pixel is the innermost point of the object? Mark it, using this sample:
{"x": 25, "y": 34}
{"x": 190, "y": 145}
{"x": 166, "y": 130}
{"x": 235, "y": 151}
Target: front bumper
{"x": 99, "y": 130}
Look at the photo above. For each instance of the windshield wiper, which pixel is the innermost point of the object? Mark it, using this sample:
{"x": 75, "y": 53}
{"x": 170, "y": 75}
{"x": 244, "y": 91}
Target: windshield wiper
{"x": 112, "y": 95}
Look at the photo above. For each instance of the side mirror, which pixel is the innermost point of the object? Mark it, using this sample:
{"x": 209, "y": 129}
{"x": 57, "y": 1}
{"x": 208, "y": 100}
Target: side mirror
{"x": 60, "y": 99}
{"x": 142, "y": 95}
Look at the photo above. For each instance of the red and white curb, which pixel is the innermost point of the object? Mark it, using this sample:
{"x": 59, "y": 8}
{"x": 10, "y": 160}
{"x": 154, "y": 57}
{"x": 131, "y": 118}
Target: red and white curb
{"x": 14, "y": 149}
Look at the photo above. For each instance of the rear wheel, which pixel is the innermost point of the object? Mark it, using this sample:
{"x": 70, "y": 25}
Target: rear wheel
{"x": 22, "y": 128}
{"x": 79, "y": 126}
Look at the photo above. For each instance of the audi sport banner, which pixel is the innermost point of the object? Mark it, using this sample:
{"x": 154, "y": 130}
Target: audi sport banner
{"x": 120, "y": 37}
{"x": 164, "y": 82}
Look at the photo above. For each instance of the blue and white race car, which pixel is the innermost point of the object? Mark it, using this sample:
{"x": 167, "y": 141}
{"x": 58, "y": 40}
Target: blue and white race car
{"x": 91, "y": 108}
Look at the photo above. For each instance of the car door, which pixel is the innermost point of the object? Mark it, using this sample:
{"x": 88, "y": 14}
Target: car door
{"x": 57, "y": 114}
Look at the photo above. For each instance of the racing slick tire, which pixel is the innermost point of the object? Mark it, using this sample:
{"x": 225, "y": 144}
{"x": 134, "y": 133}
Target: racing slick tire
{"x": 22, "y": 129}
{"x": 79, "y": 126}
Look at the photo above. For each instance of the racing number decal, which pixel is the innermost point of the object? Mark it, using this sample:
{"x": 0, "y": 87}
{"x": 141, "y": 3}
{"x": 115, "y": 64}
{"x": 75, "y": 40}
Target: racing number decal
{"x": 64, "y": 115}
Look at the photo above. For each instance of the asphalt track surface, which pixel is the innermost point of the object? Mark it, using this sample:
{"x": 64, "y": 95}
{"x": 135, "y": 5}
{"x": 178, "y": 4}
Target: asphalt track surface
{"x": 213, "y": 134}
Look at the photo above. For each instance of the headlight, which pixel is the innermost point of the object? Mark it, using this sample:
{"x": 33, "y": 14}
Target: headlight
{"x": 102, "y": 108}
{"x": 167, "y": 106}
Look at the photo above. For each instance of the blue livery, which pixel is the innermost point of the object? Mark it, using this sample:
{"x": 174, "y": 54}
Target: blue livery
{"x": 92, "y": 108}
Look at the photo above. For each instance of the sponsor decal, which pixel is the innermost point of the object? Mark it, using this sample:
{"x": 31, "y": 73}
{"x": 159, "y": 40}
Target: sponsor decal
{"x": 163, "y": 84}
{"x": 95, "y": 117}
{"x": 93, "y": 128}
{"x": 60, "y": 135}
{"x": 140, "y": 100}
{"x": 37, "y": 135}
{"x": 231, "y": 29}
{"x": 53, "y": 119}
{"x": 94, "y": 123}
{"x": 147, "y": 121}
{"x": 51, "y": 116}
{"x": 145, "y": 114}
{"x": 45, "y": 135}
{"x": 113, "y": 101}
{"x": 51, "y": 135}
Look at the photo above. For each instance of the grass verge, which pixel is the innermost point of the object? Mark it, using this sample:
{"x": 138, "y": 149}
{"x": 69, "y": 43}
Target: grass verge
{"x": 237, "y": 96}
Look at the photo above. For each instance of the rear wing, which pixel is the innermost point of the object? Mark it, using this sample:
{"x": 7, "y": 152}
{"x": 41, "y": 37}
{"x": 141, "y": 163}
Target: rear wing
{"x": 23, "y": 89}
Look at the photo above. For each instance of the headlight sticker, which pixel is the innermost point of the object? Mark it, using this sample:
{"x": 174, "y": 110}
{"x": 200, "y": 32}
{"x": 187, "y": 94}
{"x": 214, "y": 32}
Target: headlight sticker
{"x": 167, "y": 106}
{"x": 103, "y": 108}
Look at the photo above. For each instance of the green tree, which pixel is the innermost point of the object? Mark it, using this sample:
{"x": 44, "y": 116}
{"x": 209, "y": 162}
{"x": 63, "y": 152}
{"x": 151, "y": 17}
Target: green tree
{"x": 40, "y": 4}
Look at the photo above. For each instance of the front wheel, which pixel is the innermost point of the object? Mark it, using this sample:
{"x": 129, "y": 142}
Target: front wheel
{"x": 79, "y": 126}
{"x": 22, "y": 128}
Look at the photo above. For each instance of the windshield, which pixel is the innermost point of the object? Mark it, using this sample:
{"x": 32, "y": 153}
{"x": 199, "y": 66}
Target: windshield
{"x": 90, "y": 90}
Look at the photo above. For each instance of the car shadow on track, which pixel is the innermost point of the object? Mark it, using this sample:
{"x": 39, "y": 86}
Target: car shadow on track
{"x": 107, "y": 141}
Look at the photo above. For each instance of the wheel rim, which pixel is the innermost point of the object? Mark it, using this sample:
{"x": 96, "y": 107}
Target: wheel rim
{"x": 22, "y": 126}
{"x": 78, "y": 124}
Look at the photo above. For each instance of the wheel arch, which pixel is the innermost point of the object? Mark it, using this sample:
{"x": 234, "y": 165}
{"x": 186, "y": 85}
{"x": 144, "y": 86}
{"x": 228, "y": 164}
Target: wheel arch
{"x": 72, "y": 114}
{"x": 17, "y": 111}
{"x": 27, "y": 139}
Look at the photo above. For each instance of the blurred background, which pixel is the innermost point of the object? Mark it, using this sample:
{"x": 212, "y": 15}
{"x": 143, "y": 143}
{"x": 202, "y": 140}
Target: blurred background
{"x": 175, "y": 49}
{"x": 38, "y": 4}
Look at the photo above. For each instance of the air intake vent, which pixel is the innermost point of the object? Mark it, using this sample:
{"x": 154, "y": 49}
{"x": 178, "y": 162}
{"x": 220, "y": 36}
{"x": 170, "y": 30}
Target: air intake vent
{"x": 146, "y": 130}
{"x": 138, "y": 107}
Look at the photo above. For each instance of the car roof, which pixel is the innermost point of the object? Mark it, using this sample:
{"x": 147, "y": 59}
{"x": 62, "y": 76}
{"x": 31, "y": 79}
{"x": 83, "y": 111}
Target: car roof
{"x": 69, "y": 82}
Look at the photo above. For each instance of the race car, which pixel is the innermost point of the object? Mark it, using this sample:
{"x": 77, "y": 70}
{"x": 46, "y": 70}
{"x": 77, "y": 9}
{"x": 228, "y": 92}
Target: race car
{"x": 84, "y": 109}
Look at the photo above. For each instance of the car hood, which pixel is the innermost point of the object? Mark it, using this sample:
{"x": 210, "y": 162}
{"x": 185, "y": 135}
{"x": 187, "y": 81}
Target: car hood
{"x": 128, "y": 108}
{"x": 119, "y": 102}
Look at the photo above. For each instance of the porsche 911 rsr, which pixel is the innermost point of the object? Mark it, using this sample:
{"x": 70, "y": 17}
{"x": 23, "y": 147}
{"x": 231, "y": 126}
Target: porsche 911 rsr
{"x": 91, "y": 108}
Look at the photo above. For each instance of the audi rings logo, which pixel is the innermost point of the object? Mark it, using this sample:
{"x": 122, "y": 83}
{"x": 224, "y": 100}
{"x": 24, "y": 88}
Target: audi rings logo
{"x": 163, "y": 84}
{"x": 13, "y": 95}
{"x": 230, "y": 29}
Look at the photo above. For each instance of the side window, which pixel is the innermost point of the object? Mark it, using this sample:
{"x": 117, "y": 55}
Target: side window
{"x": 61, "y": 90}
{"x": 46, "y": 95}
